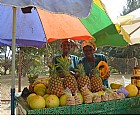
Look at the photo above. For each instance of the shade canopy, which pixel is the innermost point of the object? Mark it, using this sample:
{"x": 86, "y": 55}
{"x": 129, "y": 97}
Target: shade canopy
{"x": 62, "y": 26}
{"x": 101, "y": 27}
{"x": 77, "y": 8}
{"x": 39, "y": 27}
{"x": 130, "y": 26}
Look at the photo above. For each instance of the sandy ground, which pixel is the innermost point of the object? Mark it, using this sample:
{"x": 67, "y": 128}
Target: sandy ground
{"x": 6, "y": 86}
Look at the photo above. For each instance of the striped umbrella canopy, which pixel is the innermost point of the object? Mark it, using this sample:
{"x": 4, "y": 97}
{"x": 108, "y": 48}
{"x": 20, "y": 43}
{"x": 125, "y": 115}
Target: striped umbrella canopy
{"x": 101, "y": 27}
{"x": 38, "y": 27}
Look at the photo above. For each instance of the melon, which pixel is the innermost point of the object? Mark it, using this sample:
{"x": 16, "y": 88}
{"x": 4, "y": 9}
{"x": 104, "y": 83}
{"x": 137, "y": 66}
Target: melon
{"x": 52, "y": 101}
{"x": 63, "y": 99}
{"x": 30, "y": 97}
{"x": 37, "y": 102}
{"x": 132, "y": 89}
{"x": 45, "y": 96}
{"x": 40, "y": 89}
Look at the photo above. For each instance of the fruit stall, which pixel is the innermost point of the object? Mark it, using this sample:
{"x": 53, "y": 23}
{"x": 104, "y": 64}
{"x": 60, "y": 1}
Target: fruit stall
{"x": 125, "y": 106}
{"x": 82, "y": 96}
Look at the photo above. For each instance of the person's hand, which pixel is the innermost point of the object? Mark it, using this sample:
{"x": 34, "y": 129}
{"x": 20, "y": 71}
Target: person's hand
{"x": 107, "y": 76}
{"x": 91, "y": 73}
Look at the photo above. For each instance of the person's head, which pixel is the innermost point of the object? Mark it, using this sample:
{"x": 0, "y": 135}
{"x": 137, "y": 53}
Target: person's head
{"x": 66, "y": 46}
{"x": 89, "y": 47}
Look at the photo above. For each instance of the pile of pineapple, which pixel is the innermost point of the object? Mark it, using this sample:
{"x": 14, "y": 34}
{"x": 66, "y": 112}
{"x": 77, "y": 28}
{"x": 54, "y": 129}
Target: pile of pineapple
{"x": 70, "y": 91}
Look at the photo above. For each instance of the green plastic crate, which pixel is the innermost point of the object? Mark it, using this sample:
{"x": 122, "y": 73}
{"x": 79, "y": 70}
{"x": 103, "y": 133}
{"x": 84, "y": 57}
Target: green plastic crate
{"x": 125, "y": 106}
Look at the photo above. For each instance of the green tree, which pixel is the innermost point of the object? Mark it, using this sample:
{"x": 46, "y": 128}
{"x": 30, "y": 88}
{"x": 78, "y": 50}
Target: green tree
{"x": 5, "y": 59}
{"x": 131, "y": 5}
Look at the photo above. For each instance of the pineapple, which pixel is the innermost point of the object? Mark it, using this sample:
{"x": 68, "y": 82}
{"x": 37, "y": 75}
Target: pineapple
{"x": 69, "y": 80}
{"x": 55, "y": 85}
{"x": 83, "y": 79}
{"x": 31, "y": 79}
{"x": 96, "y": 81}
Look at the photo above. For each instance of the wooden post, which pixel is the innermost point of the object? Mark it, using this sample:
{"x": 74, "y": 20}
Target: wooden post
{"x": 19, "y": 69}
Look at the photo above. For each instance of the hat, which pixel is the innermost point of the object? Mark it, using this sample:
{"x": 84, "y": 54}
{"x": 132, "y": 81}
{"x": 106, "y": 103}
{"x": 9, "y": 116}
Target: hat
{"x": 89, "y": 42}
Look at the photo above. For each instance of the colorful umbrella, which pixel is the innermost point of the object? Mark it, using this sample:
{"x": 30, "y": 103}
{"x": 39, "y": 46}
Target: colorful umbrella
{"x": 72, "y": 7}
{"x": 130, "y": 26}
{"x": 38, "y": 27}
{"x": 77, "y": 8}
{"x": 101, "y": 27}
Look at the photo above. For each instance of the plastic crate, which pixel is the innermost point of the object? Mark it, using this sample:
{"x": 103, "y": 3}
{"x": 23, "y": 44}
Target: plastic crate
{"x": 125, "y": 106}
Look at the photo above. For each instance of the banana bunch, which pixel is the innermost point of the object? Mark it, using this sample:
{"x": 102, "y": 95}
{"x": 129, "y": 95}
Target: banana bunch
{"x": 115, "y": 85}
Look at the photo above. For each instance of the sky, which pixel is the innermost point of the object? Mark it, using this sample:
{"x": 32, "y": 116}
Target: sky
{"x": 114, "y": 8}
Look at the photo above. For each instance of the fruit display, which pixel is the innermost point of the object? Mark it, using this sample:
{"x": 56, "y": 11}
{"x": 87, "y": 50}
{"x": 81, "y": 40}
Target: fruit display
{"x": 54, "y": 91}
{"x": 37, "y": 99}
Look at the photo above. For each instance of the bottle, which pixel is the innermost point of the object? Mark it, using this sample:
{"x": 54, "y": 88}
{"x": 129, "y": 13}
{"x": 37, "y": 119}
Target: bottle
{"x": 137, "y": 71}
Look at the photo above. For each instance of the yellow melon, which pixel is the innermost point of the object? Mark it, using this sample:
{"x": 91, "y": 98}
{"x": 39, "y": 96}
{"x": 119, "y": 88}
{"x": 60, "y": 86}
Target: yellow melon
{"x": 132, "y": 89}
{"x": 30, "y": 97}
{"x": 45, "y": 96}
{"x": 63, "y": 99}
{"x": 40, "y": 89}
{"x": 52, "y": 101}
{"x": 37, "y": 102}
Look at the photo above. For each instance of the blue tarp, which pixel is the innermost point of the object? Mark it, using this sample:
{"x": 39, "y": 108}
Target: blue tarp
{"x": 78, "y": 8}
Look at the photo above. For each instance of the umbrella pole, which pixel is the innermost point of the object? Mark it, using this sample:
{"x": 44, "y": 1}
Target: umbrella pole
{"x": 13, "y": 62}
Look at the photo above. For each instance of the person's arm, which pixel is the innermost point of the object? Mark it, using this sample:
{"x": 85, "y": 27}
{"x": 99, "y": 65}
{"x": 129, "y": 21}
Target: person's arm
{"x": 104, "y": 58}
{"x": 75, "y": 66}
{"x": 76, "y": 62}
